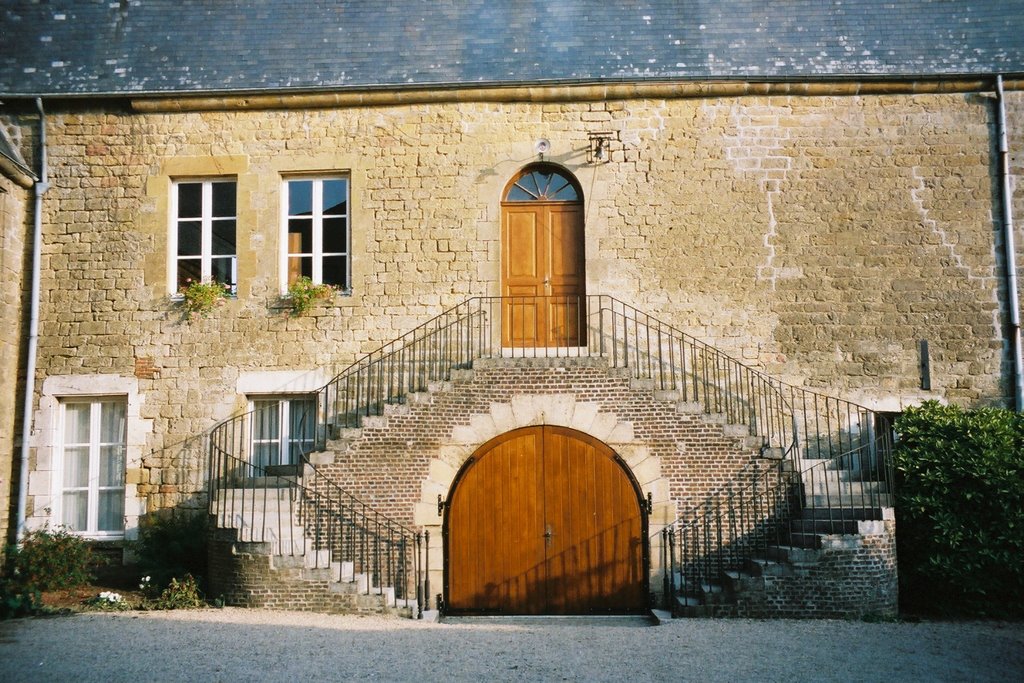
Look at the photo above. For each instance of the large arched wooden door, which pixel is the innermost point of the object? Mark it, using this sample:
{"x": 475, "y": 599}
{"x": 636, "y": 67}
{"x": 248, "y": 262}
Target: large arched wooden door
{"x": 545, "y": 520}
{"x": 542, "y": 247}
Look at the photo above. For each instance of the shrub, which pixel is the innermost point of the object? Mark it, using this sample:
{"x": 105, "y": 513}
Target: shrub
{"x": 171, "y": 545}
{"x": 302, "y": 294}
{"x": 49, "y": 560}
{"x": 183, "y": 594}
{"x": 18, "y": 601}
{"x": 960, "y": 510}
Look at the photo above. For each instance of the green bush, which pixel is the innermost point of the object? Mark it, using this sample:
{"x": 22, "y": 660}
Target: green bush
{"x": 49, "y": 560}
{"x": 171, "y": 545}
{"x": 960, "y": 510}
{"x": 17, "y": 601}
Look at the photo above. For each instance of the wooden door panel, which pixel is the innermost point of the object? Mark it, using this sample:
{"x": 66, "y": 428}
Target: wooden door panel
{"x": 566, "y": 257}
{"x": 524, "y": 248}
{"x": 543, "y": 255}
{"x": 496, "y": 531}
{"x": 545, "y": 521}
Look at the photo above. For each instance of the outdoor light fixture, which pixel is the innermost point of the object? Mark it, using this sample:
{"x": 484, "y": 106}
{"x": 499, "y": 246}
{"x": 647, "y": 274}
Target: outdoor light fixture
{"x": 598, "y": 152}
{"x": 542, "y": 147}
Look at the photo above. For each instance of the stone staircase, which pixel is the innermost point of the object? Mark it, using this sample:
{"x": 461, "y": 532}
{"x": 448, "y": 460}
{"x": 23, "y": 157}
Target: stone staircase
{"x": 684, "y": 418}
{"x": 262, "y": 556}
{"x": 837, "y": 512}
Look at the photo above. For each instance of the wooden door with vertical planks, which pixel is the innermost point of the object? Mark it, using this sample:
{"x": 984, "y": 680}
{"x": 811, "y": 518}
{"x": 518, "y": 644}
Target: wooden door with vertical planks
{"x": 542, "y": 246}
{"x": 545, "y": 520}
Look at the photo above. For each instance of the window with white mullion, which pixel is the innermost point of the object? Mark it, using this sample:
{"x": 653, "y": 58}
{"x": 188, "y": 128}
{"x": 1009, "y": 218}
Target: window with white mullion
{"x": 93, "y": 464}
{"x": 282, "y": 430}
{"x": 204, "y": 235}
{"x": 316, "y": 231}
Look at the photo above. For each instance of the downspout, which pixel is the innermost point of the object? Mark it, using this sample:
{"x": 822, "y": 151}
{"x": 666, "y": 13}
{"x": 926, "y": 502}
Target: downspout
{"x": 1011, "y": 256}
{"x": 40, "y": 187}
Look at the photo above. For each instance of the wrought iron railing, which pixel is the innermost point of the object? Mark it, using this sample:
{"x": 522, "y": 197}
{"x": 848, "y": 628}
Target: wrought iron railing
{"x": 313, "y": 518}
{"x": 598, "y": 325}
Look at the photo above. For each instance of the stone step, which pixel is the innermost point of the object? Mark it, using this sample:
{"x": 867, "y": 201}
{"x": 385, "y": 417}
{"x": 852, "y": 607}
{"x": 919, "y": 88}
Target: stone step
{"x": 792, "y": 554}
{"x": 742, "y": 582}
{"x": 759, "y": 566}
{"x": 823, "y": 526}
{"x": 862, "y": 512}
{"x": 257, "y": 492}
{"x": 866, "y": 500}
{"x": 853, "y": 463}
{"x": 798, "y": 539}
{"x": 823, "y": 485}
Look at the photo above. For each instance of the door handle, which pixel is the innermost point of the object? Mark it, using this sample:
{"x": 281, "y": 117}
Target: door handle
{"x": 547, "y": 535}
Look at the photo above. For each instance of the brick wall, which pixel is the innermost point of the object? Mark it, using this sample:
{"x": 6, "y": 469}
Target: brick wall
{"x": 247, "y": 575}
{"x": 851, "y": 576}
{"x": 387, "y": 465}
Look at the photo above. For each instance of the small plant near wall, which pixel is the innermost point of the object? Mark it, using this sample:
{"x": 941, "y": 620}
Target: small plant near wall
{"x": 183, "y": 594}
{"x": 302, "y": 294}
{"x": 201, "y": 297}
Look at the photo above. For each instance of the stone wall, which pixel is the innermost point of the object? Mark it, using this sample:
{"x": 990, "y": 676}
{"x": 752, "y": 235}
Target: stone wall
{"x": 819, "y": 238}
{"x": 14, "y": 234}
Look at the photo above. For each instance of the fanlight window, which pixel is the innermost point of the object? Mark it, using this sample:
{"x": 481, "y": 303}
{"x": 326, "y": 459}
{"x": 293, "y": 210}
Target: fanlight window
{"x": 543, "y": 185}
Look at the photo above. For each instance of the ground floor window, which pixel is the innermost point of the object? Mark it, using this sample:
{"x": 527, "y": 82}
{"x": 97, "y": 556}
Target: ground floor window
{"x": 282, "y": 429}
{"x": 93, "y": 441}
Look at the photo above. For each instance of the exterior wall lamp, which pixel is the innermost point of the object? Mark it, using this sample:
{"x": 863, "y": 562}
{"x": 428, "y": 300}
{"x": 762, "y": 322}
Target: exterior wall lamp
{"x": 598, "y": 152}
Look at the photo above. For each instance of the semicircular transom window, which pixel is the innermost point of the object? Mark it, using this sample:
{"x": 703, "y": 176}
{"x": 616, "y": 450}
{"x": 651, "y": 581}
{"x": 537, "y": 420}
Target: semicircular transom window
{"x": 543, "y": 185}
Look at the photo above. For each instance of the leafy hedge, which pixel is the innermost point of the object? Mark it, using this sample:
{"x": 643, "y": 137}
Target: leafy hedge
{"x": 960, "y": 510}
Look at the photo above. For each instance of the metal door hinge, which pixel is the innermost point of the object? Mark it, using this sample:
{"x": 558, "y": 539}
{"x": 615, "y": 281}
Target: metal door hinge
{"x": 648, "y": 504}
{"x": 440, "y": 505}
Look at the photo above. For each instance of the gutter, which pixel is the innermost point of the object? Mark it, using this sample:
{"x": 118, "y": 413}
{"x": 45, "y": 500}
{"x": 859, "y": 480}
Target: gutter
{"x": 41, "y": 186}
{"x": 548, "y": 93}
{"x": 1013, "y": 297}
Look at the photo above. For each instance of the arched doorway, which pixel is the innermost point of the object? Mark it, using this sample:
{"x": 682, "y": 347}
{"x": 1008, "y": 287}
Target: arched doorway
{"x": 542, "y": 259}
{"x": 545, "y": 520}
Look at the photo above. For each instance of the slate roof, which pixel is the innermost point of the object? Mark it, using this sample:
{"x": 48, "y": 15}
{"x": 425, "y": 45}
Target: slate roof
{"x": 88, "y": 47}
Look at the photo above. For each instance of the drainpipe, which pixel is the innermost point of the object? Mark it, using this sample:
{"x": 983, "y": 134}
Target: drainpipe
{"x": 40, "y": 187}
{"x": 1011, "y": 256}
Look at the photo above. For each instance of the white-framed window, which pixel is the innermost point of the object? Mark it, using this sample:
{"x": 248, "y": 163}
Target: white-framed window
{"x": 203, "y": 232}
{"x": 316, "y": 231}
{"x": 283, "y": 428}
{"x": 92, "y": 465}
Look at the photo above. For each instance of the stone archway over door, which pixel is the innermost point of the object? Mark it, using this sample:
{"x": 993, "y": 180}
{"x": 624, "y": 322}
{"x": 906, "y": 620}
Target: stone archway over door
{"x": 545, "y": 520}
{"x": 542, "y": 247}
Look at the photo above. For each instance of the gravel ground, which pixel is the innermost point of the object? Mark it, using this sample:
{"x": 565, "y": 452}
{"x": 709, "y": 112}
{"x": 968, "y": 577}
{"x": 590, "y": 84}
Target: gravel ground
{"x": 253, "y": 645}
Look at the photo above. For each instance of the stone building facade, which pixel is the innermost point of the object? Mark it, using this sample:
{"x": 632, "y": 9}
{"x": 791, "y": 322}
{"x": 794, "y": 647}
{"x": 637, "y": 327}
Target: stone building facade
{"x": 819, "y": 238}
{"x": 817, "y": 232}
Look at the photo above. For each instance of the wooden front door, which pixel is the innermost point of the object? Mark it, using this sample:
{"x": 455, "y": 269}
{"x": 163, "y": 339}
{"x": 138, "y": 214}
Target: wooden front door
{"x": 545, "y": 520}
{"x": 542, "y": 246}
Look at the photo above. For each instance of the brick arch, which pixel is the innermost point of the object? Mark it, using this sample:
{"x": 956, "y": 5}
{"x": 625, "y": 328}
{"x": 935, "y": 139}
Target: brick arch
{"x": 561, "y": 410}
